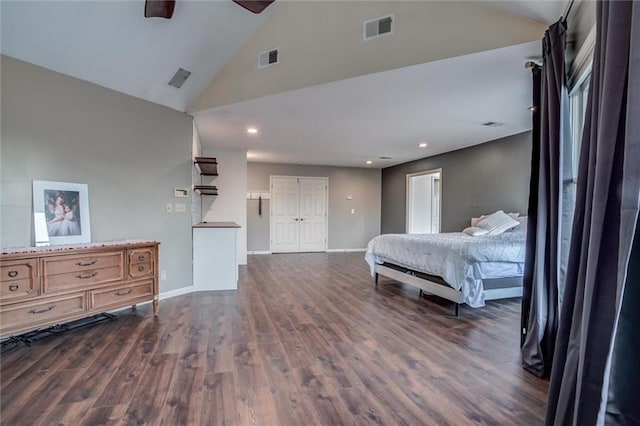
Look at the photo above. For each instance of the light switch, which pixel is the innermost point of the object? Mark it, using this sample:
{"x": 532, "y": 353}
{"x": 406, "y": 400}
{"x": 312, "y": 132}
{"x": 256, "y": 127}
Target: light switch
{"x": 180, "y": 192}
{"x": 169, "y": 208}
{"x": 181, "y": 208}
{"x": 353, "y": 211}
{"x": 349, "y": 197}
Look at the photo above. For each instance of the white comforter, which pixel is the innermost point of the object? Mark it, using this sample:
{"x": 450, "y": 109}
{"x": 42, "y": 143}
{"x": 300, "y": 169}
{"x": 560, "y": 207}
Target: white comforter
{"x": 453, "y": 256}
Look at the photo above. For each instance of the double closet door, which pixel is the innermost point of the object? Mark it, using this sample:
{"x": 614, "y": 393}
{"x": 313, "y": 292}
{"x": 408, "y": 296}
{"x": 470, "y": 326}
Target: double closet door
{"x": 298, "y": 214}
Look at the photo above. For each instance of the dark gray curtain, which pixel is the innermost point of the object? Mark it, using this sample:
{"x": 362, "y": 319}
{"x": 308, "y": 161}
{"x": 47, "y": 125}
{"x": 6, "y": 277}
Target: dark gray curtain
{"x": 592, "y": 335}
{"x": 622, "y": 402}
{"x": 547, "y": 207}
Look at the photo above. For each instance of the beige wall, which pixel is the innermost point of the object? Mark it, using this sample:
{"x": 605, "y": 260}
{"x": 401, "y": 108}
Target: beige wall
{"x": 321, "y": 42}
{"x": 130, "y": 152}
{"x": 346, "y": 230}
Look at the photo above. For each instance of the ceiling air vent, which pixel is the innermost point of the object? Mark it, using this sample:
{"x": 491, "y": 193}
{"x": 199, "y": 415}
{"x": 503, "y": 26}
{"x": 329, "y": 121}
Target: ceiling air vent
{"x": 268, "y": 58}
{"x": 179, "y": 78}
{"x": 378, "y": 27}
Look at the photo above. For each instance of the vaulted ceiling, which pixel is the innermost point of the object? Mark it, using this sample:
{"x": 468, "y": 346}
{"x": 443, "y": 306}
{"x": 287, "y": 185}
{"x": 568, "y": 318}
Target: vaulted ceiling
{"x": 112, "y": 44}
{"x": 327, "y": 100}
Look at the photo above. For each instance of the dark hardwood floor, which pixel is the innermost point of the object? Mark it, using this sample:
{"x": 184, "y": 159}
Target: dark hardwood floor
{"x": 307, "y": 339}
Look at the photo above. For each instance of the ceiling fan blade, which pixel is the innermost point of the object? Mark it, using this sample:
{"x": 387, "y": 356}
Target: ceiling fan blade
{"x": 159, "y": 8}
{"x": 255, "y": 6}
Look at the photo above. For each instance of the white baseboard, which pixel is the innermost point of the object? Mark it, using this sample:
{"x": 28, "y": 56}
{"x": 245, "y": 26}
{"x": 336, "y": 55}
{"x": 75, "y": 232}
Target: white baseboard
{"x": 166, "y": 295}
{"x": 259, "y": 252}
{"x": 345, "y": 250}
{"x": 177, "y": 292}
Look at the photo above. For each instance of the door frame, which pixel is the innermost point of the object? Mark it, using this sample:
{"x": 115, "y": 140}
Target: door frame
{"x": 326, "y": 207}
{"x": 407, "y": 194}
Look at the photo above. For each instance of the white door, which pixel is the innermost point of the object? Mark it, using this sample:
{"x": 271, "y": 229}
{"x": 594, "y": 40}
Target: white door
{"x": 424, "y": 193}
{"x": 298, "y": 214}
{"x": 313, "y": 214}
{"x": 285, "y": 218}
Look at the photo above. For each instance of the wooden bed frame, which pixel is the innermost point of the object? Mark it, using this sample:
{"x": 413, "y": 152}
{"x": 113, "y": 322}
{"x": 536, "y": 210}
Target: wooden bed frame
{"x": 498, "y": 288}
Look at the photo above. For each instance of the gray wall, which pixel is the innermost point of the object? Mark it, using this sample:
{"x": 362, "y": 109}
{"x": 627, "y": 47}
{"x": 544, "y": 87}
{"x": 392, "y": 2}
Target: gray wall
{"x": 476, "y": 180}
{"x": 346, "y": 231}
{"x": 130, "y": 152}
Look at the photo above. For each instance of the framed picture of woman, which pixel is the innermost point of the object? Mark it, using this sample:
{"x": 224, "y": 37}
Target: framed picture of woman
{"x": 62, "y": 209}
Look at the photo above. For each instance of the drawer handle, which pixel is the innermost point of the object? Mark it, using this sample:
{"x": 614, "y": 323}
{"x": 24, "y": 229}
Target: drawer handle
{"x": 14, "y": 287}
{"x": 13, "y": 273}
{"x": 123, "y": 294}
{"x": 141, "y": 257}
{"x": 140, "y": 268}
{"x": 50, "y": 308}
{"x": 93, "y": 262}
{"x": 86, "y": 277}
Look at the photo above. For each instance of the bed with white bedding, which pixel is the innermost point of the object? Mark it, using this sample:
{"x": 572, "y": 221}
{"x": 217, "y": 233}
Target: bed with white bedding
{"x": 465, "y": 264}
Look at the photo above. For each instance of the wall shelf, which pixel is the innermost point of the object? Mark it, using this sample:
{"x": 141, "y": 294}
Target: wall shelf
{"x": 207, "y": 166}
{"x": 206, "y": 189}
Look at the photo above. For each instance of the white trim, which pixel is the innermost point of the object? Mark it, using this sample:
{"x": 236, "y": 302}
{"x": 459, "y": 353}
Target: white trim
{"x": 166, "y": 295}
{"x": 406, "y": 202}
{"x": 177, "y": 292}
{"x": 582, "y": 63}
{"x": 346, "y": 250}
{"x": 259, "y": 252}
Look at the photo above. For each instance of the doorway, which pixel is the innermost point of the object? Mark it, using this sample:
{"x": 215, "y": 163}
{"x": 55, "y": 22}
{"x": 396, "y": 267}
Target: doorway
{"x": 298, "y": 214}
{"x": 424, "y": 193}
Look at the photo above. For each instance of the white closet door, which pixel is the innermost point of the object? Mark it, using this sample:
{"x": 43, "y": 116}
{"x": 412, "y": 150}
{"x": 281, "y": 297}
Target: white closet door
{"x": 313, "y": 214}
{"x": 285, "y": 207}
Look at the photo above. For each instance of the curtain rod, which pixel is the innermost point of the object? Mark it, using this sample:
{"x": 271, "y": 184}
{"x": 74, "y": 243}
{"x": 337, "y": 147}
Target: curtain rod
{"x": 567, "y": 10}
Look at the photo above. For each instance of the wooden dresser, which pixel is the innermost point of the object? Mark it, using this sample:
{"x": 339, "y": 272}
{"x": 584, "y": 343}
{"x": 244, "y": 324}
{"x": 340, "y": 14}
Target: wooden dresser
{"x": 43, "y": 286}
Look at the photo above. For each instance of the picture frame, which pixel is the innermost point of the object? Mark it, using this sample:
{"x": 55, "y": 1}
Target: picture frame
{"x": 61, "y": 212}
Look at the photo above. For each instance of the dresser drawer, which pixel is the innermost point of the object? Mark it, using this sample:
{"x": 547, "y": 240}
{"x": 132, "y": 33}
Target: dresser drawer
{"x": 121, "y": 295}
{"x": 141, "y": 270}
{"x": 79, "y": 279}
{"x": 75, "y": 263}
{"x": 144, "y": 255}
{"x": 17, "y": 289}
{"x": 18, "y": 270}
{"x": 41, "y": 312}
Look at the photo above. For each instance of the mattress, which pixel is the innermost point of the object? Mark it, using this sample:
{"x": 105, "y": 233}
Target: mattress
{"x": 461, "y": 260}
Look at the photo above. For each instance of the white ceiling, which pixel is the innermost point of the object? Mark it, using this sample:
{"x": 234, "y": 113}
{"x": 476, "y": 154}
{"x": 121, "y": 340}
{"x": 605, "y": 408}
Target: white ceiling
{"x": 544, "y": 11}
{"x": 112, "y": 44}
{"x": 348, "y": 122}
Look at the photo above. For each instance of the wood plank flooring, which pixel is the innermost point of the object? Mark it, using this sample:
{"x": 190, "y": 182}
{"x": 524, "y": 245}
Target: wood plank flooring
{"x": 306, "y": 340}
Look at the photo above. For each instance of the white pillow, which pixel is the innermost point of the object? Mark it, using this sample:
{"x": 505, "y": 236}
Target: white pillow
{"x": 474, "y": 231}
{"x": 497, "y": 223}
{"x": 475, "y": 220}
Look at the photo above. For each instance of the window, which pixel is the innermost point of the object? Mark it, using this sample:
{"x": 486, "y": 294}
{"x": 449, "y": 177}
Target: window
{"x": 578, "y": 107}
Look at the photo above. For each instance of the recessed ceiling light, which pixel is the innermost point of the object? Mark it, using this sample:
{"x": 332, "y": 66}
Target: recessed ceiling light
{"x": 422, "y": 145}
{"x": 252, "y": 130}
{"x": 369, "y": 162}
